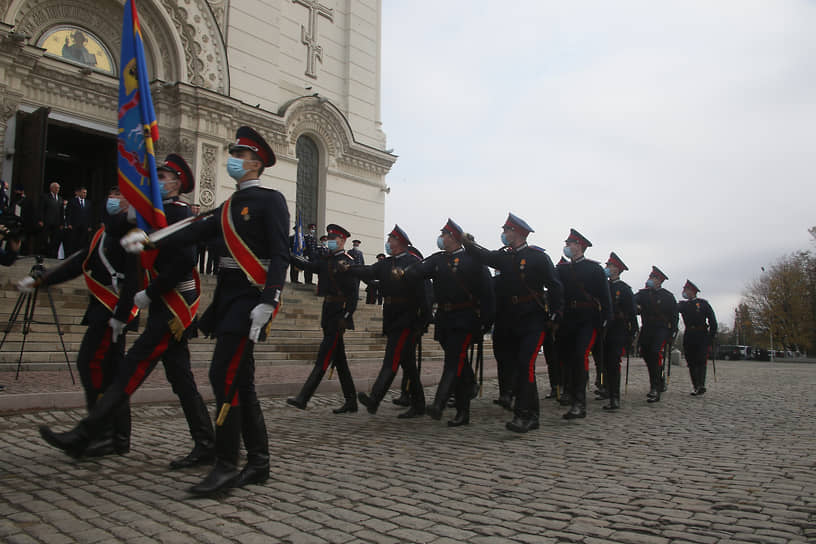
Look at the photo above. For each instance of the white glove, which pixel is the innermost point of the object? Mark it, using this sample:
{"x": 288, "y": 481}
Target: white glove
{"x": 134, "y": 241}
{"x": 116, "y": 328}
{"x": 26, "y": 285}
{"x": 260, "y": 316}
{"x": 141, "y": 300}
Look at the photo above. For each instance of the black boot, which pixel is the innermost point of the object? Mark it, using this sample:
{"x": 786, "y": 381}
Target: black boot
{"x": 73, "y": 442}
{"x": 653, "y": 395}
{"x": 378, "y": 390}
{"x": 201, "y": 431}
{"x": 200, "y": 455}
{"x": 349, "y": 407}
{"x": 565, "y": 400}
{"x": 256, "y": 442}
{"x": 462, "y": 395}
{"x": 404, "y": 399}
{"x": 614, "y": 404}
{"x": 308, "y": 388}
{"x": 462, "y": 418}
{"x": 225, "y": 473}
{"x": 522, "y": 423}
{"x": 368, "y": 402}
{"x": 701, "y": 379}
{"x": 121, "y": 429}
{"x": 100, "y": 446}
{"x": 443, "y": 393}
{"x": 505, "y": 401}
{"x": 576, "y": 411}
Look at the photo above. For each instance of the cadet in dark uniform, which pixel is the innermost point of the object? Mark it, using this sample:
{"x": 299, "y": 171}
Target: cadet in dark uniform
{"x": 172, "y": 296}
{"x": 504, "y": 347}
{"x": 339, "y": 290}
{"x": 355, "y": 252}
{"x": 405, "y": 314}
{"x": 701, "y": 329}
{"x": 587, "y": 310}
{"x": 527, "y": 270}
{"x": 464, "y": 308}
{"x": 104, "y": 265}
{"x": 658, "y": 314}
{"x": 620, "y": 330}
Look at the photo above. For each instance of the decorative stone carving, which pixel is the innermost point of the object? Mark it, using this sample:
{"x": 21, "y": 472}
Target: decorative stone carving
{"x": 209, "y": 160}
{"x": 220, "y": 9}
{"x": 308, "y": 37}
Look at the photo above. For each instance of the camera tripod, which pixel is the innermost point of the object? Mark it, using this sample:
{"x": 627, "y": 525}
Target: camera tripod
{"x": 26, "y": 303}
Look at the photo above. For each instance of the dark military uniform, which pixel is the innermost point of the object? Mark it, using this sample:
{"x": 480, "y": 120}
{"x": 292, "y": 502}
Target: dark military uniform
{"x": 701, "y": 329}
{"x": 619, "y": 332}
{"x": 525, "y": 272}
{"x": 503, "y": 347}
{"x": 587, "y": 308}
{"x": 100, "y": 359}
{"x": 339, "y": 290}
{"x": 463, "y": 295}
{"x": 659, "y": 317}
{"x": 405, "y": 314}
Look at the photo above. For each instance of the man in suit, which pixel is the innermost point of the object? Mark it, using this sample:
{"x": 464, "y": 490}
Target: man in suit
{"x": 78, "y": 220}
{"x": 52, "y": 220}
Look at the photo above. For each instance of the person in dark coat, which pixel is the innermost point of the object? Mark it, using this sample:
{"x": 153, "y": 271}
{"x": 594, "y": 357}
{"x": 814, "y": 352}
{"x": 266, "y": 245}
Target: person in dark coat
{"x": 463, "y": 295}
{"x": 355, "y": 252}
{"x": 621, "y": 328}
{"x": 527, "y": 271}
{"x": 78, "y": 221}
{"x": 701, "y": 330}
{"x": 405, "y": 315}
{"x": 658, "y": 314}
{"x": 340, "y": 291}
{"x": 51, "y": 220}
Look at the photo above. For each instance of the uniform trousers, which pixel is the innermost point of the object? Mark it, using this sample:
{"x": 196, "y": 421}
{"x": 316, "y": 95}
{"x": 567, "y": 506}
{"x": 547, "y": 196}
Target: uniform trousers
{"x": 400, "y": 350}
{"x": 614, "y": 348}
{"x": 457, "y": 374}
{"x": 524, "y": 347}
{"x": 332, "y": 350}
{"x": 695, "y": 345}
{"x": 553, "y": 364}
{"x": 505, "y": 353}
{"x": 652, "y": 348}
{"x": 575, "y": 343}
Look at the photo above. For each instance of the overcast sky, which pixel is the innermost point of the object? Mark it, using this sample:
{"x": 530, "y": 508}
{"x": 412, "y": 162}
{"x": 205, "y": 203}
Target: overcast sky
{"x": 679, "y": 134}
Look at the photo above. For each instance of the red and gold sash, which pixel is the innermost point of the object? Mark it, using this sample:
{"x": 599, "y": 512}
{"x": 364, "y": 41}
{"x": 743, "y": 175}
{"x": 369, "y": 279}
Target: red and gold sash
{"x": 243, "y": 255}
{"x": 105, "y": 295}
{"x": 183, "y": 313}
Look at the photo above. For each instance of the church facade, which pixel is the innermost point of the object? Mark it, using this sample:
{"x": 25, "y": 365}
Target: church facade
{"x": 304, "y": 73}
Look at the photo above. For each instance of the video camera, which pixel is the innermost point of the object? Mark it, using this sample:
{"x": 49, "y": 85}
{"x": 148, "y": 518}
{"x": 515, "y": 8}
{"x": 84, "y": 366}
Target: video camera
{"x": 14, "y": 226}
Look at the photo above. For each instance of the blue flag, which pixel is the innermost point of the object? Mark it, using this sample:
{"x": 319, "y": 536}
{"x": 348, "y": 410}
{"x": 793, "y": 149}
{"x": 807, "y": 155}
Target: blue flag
{"x": 138, "y": 130}
{"x": 299, "y": 242}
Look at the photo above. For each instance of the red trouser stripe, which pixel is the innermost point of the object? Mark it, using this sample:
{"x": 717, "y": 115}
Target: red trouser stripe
{"x": 398, "y": 349}
{"x": 95, "y": 365}
{"x": 330, "y": 353}
{"x": 531, "y": 366}
{"x": 589, "y": 348}
{"x": 232, "y": 370}
{"x": 144, "y": 365}
{"x": 660, "y": 355}
{"x": 463, "y": 354}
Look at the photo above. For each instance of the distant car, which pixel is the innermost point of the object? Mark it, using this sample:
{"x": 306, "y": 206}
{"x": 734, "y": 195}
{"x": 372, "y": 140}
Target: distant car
{"x": 730, "y": 353}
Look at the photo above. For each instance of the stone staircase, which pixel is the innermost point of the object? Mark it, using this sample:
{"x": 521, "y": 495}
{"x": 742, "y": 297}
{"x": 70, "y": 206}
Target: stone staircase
{"x": 294, "y": 340}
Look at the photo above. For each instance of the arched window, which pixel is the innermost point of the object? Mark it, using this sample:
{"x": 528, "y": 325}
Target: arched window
{"x": 307, "y": 179}
{"x": 78, "y": 46}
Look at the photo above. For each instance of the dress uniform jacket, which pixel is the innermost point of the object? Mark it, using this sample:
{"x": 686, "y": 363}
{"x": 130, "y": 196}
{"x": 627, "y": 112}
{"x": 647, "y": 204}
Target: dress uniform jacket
{"x": 586, "y": 294}
{"x": 701, "y": 328}
{"x": 339, "y": 289}
{"x": 659, "y": 317}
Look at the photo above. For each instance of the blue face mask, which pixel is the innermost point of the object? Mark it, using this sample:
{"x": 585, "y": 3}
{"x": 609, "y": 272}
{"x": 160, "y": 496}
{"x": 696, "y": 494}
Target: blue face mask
{"x": 440, "y": 243}
{"x": 650, "y": 283}
{"x": 504, "y": 240}
{"x": 235, "y": 168}
{"x": 165, "y": 192}
{"x": 332, "y": 245}
{"x": 112, "y": 206}
{"x": 388, "y": 248}
{"x": 608, "y": 272}
{"x": 568, "y": 252}
{"x": 686, "y": 295}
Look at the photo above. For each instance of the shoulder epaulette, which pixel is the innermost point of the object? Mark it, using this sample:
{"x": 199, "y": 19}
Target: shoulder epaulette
{"x": 538, "y": 248}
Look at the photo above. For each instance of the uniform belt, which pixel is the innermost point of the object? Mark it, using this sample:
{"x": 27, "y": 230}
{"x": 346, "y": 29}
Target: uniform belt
{"x": 452, "y": 306}
{"x": 335, "y": 298}
{"x": 521, "y": 300}
{"x": 581, "y": 304}
{"x": 397, "y": 300}
{"x": 229, "y": 262}
{"x": 696, "y": 328}
{"x": 183, "y": 286}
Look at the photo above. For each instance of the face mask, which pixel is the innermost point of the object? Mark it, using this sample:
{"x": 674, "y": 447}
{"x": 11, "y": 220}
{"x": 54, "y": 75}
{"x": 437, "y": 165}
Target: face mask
{"x": 332, "y": 245}
{"x": 686, "y": 295}
{"x": 650, "y": 283}
{"x": 608, "y": 272}
{"x": 163, "y": 190}
{"x": 568, "y": 252}
{"x": 440, "y": 243}
{"x": 504, "y": 240}
{"x": 388, "y": 248}
{"x": 235, "y": 168}
{"x": 112, "y": 206}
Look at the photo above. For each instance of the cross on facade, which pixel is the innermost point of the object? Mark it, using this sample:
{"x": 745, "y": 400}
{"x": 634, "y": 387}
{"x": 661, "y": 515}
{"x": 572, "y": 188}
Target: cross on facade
{"x": 309, "y": 37}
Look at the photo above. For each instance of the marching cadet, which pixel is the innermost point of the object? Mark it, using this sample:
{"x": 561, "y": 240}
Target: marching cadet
{"x": 406, "y": 312}
{"x": 621, "y": 328}
{"x": 339, "y": 290}
{"x": 587, "y": 310}
{"x": 172, "y": 296}
{"x": 527, "y": 270}
{"x": 504, "y": 349}
{"x": 463, "y": 296}
{"x": 701, "y": 329}
{"x": 658, "y": 314}
{"x": 104, "y": 265}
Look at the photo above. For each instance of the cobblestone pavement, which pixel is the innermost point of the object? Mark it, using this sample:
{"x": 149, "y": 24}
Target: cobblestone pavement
{"x": 736, "y": 465}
